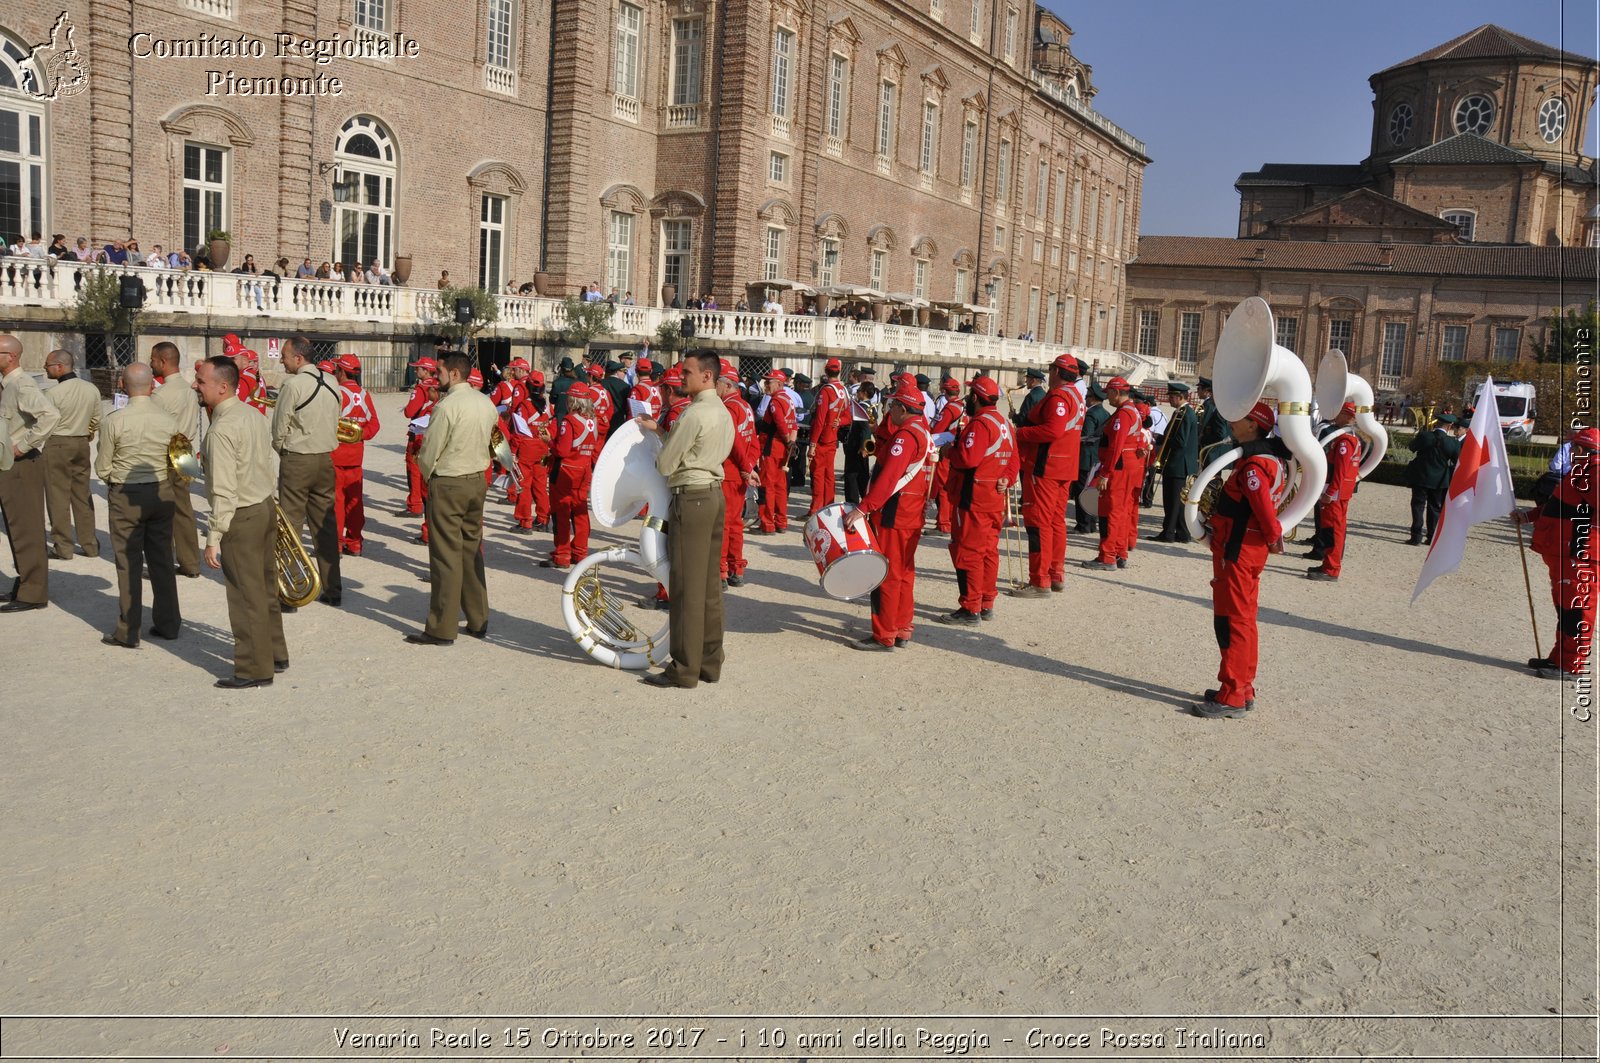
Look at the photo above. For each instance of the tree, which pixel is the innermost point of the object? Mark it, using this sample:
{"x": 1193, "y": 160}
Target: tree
{"x": 585, "y": 321}
{"x": 99, "y": 305}
{"x": 1571, "y": 335}
{"x": 485, "y": 312}
{"x": 669, "y": 337}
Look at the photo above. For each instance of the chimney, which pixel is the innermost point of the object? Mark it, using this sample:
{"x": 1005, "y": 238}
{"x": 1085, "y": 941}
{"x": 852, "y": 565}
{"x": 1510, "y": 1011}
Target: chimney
{"x": 1386, "y": 257}
{"x": 1261, "y": 253}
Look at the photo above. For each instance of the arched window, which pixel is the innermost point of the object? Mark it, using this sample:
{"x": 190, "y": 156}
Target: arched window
{"x": 22, "y": 146}
{"x": 367, "y": 171}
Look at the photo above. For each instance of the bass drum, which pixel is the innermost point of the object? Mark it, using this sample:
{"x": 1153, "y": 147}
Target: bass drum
{"x": 1089, "y": 497}
{"x": 847, "y": 560}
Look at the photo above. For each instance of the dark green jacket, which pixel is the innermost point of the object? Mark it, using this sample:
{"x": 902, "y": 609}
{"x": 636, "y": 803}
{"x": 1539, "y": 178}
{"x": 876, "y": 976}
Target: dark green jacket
{"x": 558, "y": 395}
{"x": 1182, "y": 454}
{"x": 1437, "y": 451}
{"x": 1093, "y": 423}
{"x": 1213, "y": 428}
{"x": 1034, "y": 396}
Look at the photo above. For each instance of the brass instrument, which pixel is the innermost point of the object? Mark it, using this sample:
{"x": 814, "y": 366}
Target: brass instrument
{"x": 1422, "y": 417}
{"x": 181, "y": 459}
{"x": 348, "y": 431}
{"x": 869, "y": 446}
{"x": 589, "y": 597}
{"x": 298, "y": 582}
{"x": 500, "y": 451}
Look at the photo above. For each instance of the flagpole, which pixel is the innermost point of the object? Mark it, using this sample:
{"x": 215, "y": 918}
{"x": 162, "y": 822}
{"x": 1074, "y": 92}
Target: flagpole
{"x": 1528, "y": 585}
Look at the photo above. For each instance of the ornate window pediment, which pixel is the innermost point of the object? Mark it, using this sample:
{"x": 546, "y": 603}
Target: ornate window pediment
{"x": 497, "y": 177}
{"x": 625, "y": 198}
{"x": 677, "y": 203}
{"x": 843, "y": 35}
{"x": 963, "y": 259}
{"x": 881, "y": 238}
{"x": 891, "y": 62}
{"x": 832, "y": 226}
{"x": 779, "y": 210}
{"x": 925, "y": 247}
{"x": 934, "y": 84}
{"x": 974, "y": 105}
{"x": 201, "y": 118}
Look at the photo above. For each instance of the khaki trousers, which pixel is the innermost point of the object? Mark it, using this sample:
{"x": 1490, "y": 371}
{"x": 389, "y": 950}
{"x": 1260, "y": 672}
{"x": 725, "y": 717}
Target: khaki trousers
{"x": 454, "y": 507}
{"x": 694, "y": 541}
{"x": 250, "y": 572}
{"x": 305, "y": 494}
{"x": 66, "y": 492}
{"x": 185, "y": 535}
{"x": 22, "y": 504}
{"x": 140, "y": 516}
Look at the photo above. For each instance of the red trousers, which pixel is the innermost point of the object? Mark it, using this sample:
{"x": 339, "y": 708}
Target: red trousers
{"x": 975, "y": 551}
{"x": 1331, "y": 520}
{"x": 1235, "y": 593}
{"x": 569, "y": 504}
{"x": 1135, "y": 489}
{"x": 1120, "y": 504}
{"x": 946, "y": 504}
{"x": 1573, "y": 586}
{"x": 533, "y": 499}
{"x": 348, "y": 510}
{"x": 894, "y": 602}
{"x": 732, "y": 527}
{"x": 822, "y": 457}
{"x": 1045, "y": 517}
{"x": 416, "y": 489}
{"x": 775, "y": 482}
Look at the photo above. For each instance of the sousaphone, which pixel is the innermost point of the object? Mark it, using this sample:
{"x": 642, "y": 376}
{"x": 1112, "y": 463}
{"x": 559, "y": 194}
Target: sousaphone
{"x": 1336, "y": 385}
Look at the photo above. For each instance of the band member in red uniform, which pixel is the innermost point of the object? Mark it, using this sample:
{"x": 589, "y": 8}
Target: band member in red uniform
{"x": 828, "y": 415}
{"x": 1563, "y": 535}
{"x": 893, "y": 504}
{"x": 948, "y": 413}
{"x": 529, "y": 436}
{"x": 644, "y": 400}
{"x": 738, "y": 473}
{"x": 1120, "y": 478}
{"x": 982, "y": 468}
{"x": 1048, "y": 441}
{"x": 572, "y": 467}
{"x": 1344, "y": 472}
{"x": 604, "y": 407}
{"x": 349, "y": 509}
{"x": 424, "y": 394}
{"x": 778, "y": 429}
{"x": 251, "y": 393}
{"x": 672, "y": 397}
{"x": 507, "y": 396}
{"x": 1244, "y": 530}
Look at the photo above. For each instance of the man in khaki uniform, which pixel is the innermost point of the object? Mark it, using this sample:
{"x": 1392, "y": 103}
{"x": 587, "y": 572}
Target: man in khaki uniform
{"x": 452, "y": 461}
{"x": 243, "y": 525}
{"x": 176, "y": 396}
{"x": 701, "y": 438}
{"x": 132, "y": 462}
{"x": 66, "y": 457}
{"x": 305, "y": 429}
{"x": 32, "y": 418}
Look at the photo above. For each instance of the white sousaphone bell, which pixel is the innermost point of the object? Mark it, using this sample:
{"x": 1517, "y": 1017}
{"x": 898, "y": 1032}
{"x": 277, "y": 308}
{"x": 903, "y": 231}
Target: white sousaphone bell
{"x": 1336, "y": 385}
{"x": 1249, "y": 364}
{"x": 625, "y": 482}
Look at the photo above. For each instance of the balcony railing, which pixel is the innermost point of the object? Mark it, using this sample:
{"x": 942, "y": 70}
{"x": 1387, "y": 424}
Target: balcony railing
{"x": 291, "y": 302}
{"x": 214, "y": 8}
{"x": 780, "y": 126}
{"x": 499, "y": 79}
{"x": 683, "y": 115}
{"x": 625, "y": 108}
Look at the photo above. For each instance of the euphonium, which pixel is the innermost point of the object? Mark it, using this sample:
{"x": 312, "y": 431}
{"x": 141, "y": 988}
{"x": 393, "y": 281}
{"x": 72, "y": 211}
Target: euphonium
{"x": 500, "y": 450}
{"x": 181, "y": 458}
{"x": 1250, "y": 364}
{"x": 348, "y": 431}
{"x": 298, "y": 582}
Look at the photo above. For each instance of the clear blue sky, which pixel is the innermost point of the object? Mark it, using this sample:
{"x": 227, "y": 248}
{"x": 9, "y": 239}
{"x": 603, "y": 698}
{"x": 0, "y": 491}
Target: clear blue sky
{"x": 1215, "y": 89}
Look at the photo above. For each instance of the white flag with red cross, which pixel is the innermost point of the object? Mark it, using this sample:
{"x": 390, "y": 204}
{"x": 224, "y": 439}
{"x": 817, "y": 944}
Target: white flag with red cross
{"x": 1480, "y": 490}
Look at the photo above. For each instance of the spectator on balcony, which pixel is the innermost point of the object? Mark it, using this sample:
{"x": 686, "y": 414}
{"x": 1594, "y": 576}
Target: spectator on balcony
{"x": 614, "y": 298}
{"x": 251, "y": 288}
{"x": 157, "y": 259}
{"x": 36, "y": 246}
{"x": 710, "y": 303}
{"x": 17, "y": 247}
{"x": 58, "y": 248}
{"x": 135, "y": 255}
{"x": 772, "y": 306}
{"x": 527, "y": 288}
{"x": 280, "y": 269}
{"x": 323, "y": 272}
{"x": 444, "y": 279}
{"x": 742, "y": 306}
{"x": 376, "y": 274}
{"x": 593, "y": 294}
{"x": 83, "y": 252}
{"x": 306, "y": 270}
{"x": 627, "y": 299}
{"x": 181, "y": 260}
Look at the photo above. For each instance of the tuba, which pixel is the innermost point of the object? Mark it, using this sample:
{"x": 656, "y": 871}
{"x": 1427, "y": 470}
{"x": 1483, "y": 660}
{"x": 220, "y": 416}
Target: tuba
{"x": 298, "y": 582}
{"x": 1336, "y": 385}
{"x": 625, "y": 483}
{"x": 181, "y": 459}
{"x": 1248, "y": 365}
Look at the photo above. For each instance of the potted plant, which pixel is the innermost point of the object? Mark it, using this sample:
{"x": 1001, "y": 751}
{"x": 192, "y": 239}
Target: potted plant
{"x": 402, "y": 270}
{"x": 219, "y": 245}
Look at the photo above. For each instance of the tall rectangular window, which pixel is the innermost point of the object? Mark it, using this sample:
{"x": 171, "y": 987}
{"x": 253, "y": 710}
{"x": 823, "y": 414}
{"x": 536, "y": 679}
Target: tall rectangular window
{"x": 1069, "y": 313}
{"x": 1061, "y": 198}
{"x": 1122, "y": 214}
{"x": 936, "y": 9}
{"x": 1011, "y": 36}
{"x": 880, "y": 269}
{"x": 969, "y": 151}
{"x": 1453, "y": 343}
{"x": 828, "y": 270}
{"x": 626, "y": 79}
{"x": 1002, "y": 183}
{"x": 1041, "y": 190}
{"x": 1189, "y": 337}
{"x": 1506, "y": 342}
{"x": 499, "y": 50}
{"x": 619, "y": 252}
{"x": 975, "y": 24}
{"x": 1394, "y": 350}
{"x": 1033, "y": 310}
{"x": 886, "y": 118}
{"x": 838, "y": 93}
{"x": 779, "y": 170}
{"x": 1288, "y": 332}
{"x": 1077, "y": 203}
{"x": 963, "y": 287}
{"x": 688, "y": 59}
{"x": 930, "y": 138}
{"x": 1149, "y": 332}
{"x": 919, "y": 278}
{"x": 1341, "y": 335}
{"x": 372, "y": 15}
{"x": 491, "y": 243}
{"x": 205, "y": 193}
{"x": 772, "y": 259}
{"x": 676, "y": 250}
{"x": 782, "y": 59}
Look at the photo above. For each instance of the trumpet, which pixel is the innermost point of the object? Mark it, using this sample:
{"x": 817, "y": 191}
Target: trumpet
{"x": 349, "y": 429}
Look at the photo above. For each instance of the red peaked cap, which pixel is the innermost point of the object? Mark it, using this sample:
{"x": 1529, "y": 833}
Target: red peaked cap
{"x": 326, "y": 365}
{"x": 1067, "y": 364}
{"x": 727, "y": 371}
{"x": 985, "y": 386}
{"x": 950, "y": 384}
{"x": 1116, "y": 383}
{"x": 1349, "y": 408}
{"x": 673, "y": 378}
{"x": 1588, "y": 439}
{"x": 1263, "y": 415}
{"x": 910, "y": 398}
{"x": 230, "y": 343}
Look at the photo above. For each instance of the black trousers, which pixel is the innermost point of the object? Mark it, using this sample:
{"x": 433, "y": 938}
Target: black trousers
{"x": 1426, "y": 502}
{"x": 856, "y": 471}
{"x": 1087, "y": 522}
{"x": 1173, "y": 526}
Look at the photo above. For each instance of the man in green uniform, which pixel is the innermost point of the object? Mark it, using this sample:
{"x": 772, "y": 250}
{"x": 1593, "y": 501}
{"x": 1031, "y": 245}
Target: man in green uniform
{"x": 1429, "y": 476}
{"x": 1035, "y": 395}
{"x": 566, "y": 376}
{"x": 1180, "y": 459}
{"x": 1213, "y": 426}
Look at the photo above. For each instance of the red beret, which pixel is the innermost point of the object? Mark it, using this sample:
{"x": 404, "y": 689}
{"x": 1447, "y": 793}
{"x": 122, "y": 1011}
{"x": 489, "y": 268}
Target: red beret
{"x": 985, "y": 386}
{"x": 1264, "y": 415}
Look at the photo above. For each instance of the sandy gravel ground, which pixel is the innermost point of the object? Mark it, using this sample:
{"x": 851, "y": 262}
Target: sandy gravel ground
{"x": 1018, "y": 818}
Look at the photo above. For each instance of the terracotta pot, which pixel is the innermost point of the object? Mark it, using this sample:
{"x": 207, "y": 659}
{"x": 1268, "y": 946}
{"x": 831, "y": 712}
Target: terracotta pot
{"x": 669, "y": 292}
{"x": 218, "y": 251}
{"x": 402, "y": 270}
{"x": 541, "y": 284}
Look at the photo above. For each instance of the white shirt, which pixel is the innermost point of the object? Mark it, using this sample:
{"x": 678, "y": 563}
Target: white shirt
{"x": 156, "y": 261}
{"x": 772, "y": 306}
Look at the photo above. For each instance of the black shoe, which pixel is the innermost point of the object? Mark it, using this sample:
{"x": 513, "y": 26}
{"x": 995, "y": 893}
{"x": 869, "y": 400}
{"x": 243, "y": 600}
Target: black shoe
{"x": 280, "y": 667}
{"x": 425, "y": 639}
{"x": 542, "y": 526}
{"x": 650, "y": 601}
{"x": 61, "y": 557}
{"x": 662, "y": 680}
{"x": 724, "y": 584}
{"x": 1028, "y": 591}
{"x": 517, "y": 529}
{"x": 1103, "y": 566}
{"x": 1211, "y": 710}
{"x": 1158, "y": 539}
{"x": 901, "y": 642}
{"x": 1413, "y": 541}
{"x": 189, "y": 575}
{"x": 1552, "y": 671}
{"x": 960, "y": 617}
{"x": 1540, "y": 662}
{"x": 735, "y": 580}
{"x": 173, "y": 637}
{"x": 1058, "y": 587}
{"x": 1122, "y": 562}
{"x": 547, "y": 563}
{"x": 233, "y": 682}
{"x": 479, "y": 633}
{"x": 871, "y": 645}
{"x": 419, "y": 539}
{"x": 287, "y": 609}
{"x": 987, "y": 614}
{"x": 15, "y": 606}
{"x": 1312, "y": 555}
{"x": 331, "y": 599}
{"x": 112, "y": 640}
{"x": 1320, "y": 576}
